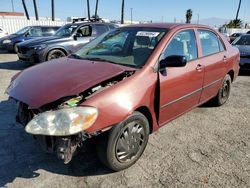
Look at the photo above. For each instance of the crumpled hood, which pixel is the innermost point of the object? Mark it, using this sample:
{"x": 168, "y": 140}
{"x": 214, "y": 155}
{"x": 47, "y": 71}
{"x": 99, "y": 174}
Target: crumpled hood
{"x": 50, "y": 81}
{"x": 44, "y": 40}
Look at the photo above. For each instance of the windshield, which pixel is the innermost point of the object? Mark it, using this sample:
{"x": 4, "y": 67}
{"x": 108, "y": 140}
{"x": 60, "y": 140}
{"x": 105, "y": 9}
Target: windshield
{"x": 22, "y": 31}
{"x": 124, "y": 46}
{"x": 243, "y": 40}
{"x": 66, "y": 31}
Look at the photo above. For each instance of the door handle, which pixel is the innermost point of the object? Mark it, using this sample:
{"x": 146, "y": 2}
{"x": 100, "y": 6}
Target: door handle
{"x": 225, "y": 58}
{"x": 199, "y": 67}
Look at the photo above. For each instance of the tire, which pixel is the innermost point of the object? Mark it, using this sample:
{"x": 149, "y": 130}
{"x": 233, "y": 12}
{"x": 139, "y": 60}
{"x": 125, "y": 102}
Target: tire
{"x": 15, "y": 48}
{"x": 55, "y": 54}
{"x": 224, "y": 92}
{"x": 121, "y": 147}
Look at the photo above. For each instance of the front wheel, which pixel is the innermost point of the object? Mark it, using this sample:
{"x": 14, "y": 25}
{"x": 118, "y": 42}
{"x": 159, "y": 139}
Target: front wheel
{"x": 55, "y": 54}
{"x": 124, "y": 144}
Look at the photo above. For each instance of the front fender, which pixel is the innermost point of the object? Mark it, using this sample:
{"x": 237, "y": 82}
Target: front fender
{"x": 119, "y": 101}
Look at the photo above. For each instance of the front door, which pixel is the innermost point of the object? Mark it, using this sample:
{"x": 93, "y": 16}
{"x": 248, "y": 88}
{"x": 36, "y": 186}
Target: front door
{"x": 180, "y": 87}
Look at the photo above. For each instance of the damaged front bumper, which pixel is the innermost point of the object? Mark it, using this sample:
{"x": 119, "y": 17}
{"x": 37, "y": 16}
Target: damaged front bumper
{"x": 50, "y": 130}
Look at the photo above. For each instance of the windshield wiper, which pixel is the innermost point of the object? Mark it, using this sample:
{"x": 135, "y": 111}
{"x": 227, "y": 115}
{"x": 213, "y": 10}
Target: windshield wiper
{"x": 75, "y": 56}
{"x": 109, "y": 61}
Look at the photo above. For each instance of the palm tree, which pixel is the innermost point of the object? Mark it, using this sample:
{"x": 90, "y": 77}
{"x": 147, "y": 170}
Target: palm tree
{"x": 35, "y": 8}
{"x": 52, "y": 10}
{"x": 25, "y": 10}
{"x": 122, "y": 13}
{"x": 96, "y": 7}
{"x": 88, "y": 9}
{"x": 237, "y": 14}
{"x": 189, "y": 15}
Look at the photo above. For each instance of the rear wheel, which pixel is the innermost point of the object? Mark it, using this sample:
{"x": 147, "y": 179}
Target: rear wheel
{"x": 124, "y": 144}
{"x": 224, "y": 92}
{"x": 55, "y": 54}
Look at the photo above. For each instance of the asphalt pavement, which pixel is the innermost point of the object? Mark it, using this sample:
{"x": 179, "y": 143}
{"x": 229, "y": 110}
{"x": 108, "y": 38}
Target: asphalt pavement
{"x": 207, "y": 147}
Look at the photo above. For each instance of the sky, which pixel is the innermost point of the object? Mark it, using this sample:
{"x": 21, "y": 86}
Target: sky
{"x": 143, "y": 10}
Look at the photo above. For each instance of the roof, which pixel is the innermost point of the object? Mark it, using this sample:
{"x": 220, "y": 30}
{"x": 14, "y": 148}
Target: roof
{"x": 166, "y": 25}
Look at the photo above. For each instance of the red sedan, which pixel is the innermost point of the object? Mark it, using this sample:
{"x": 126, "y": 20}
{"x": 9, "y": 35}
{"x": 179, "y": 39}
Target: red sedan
{"x": 123, "y": 86}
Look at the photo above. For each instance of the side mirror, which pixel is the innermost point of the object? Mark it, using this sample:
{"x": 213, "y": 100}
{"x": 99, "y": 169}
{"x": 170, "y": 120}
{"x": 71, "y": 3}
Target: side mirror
{"x": 26, "y": 34}
{"x": 173, "y": 61}
{"x": 77, "y": 35}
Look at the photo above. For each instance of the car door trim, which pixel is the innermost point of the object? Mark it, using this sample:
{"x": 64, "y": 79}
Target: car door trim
{"x": 212, "y": 83}
{"x": 181, "y": 98}
{"x": 191, "y": 93}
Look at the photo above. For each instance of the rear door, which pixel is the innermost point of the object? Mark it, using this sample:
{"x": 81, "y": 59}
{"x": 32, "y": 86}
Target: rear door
{"x": 214, "y": 59}
{"x": 99, "y": 29}
{"x": 180, "y": 87}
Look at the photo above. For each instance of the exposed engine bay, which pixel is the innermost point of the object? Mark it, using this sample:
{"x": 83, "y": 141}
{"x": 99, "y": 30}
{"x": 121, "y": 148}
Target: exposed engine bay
{"x": 65, "y": 145}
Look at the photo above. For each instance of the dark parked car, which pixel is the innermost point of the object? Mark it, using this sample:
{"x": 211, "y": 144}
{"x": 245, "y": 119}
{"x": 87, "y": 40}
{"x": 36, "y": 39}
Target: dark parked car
{"x": 123, "y": 86}
{"x": 234, "y": 36}
{"x": 243, "y": 43}
{"x": 10, "y": 42}
{"x": 67, "y": 39}
{"x": 248, "y": 32}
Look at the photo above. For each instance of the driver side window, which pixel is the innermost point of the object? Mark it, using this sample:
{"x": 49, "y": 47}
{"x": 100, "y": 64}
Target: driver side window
{"x": 84, "y": 31}
{"x": 184, "y": 44}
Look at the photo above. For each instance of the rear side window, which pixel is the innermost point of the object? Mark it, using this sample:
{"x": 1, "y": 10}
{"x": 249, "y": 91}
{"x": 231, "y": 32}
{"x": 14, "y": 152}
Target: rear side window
{"x": 48, "y": 31}
{"x": 183, "y": 43}
{"x": 100, "y": 29}
{"x": 35, "y": 32}
{"x": 210, "y": 43}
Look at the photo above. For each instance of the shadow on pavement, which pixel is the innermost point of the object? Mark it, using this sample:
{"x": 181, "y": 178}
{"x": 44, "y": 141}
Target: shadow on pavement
{"x": 21, "y": 156}
{"x": 13, "y": 65}
{"x": 244, "y": 73}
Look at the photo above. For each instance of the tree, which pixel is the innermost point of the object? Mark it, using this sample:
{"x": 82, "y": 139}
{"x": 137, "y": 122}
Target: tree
{"x": 88, "y": 9}
{"x": 25, "y": 9}
{"x": 122, "y": 13}
{"x": 237, "y": 14}
{"x": 35, "y": 8}
{"x": 52, "y": 10}
{"x": 189, "y": 15}
{"x": 234, "y": 24}
{"x": 96, "y": 8}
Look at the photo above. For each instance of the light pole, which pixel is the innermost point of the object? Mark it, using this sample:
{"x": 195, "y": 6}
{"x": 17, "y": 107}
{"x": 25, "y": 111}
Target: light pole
{"x": 198, "y": 18}
{"x": 131, "y": 15}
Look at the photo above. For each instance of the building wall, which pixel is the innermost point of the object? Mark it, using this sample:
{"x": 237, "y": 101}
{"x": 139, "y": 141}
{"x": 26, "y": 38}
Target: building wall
{"x": 13, "y": 24}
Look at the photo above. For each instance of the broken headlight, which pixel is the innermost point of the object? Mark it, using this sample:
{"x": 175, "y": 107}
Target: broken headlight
{"x": 63, "y": 122}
